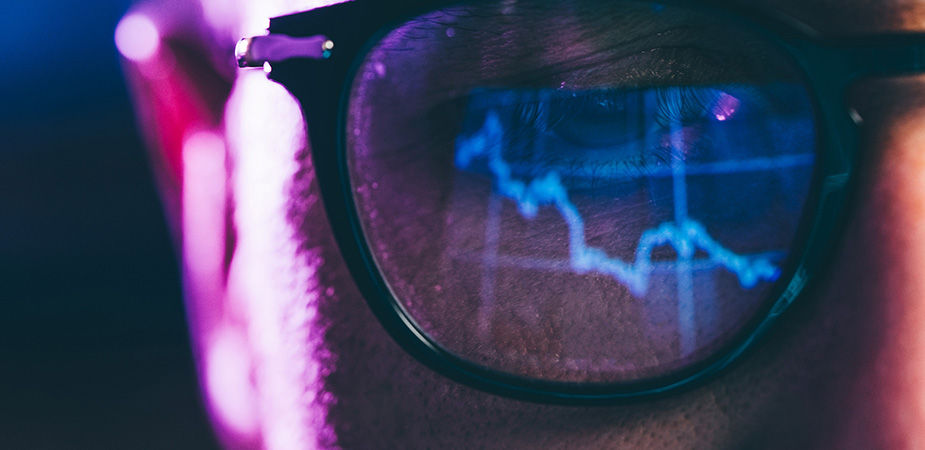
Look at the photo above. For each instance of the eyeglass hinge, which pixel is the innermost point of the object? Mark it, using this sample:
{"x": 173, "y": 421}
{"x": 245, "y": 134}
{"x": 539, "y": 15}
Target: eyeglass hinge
{"x": 260, "y": 51}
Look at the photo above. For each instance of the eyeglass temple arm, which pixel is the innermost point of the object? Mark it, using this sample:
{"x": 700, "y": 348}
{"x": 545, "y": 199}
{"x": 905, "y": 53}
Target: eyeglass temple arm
{"x": 857, "y": 57}
{"x": 259, "y": 51}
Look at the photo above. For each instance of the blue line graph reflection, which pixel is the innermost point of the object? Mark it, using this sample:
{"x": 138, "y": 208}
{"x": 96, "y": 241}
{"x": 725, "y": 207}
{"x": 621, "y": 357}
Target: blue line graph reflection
{"x": 586, "y": 236}
{"x": 685, "y": 236}
{"x": 716, "y": 162}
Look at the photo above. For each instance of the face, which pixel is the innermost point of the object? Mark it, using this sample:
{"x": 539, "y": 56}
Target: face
{"x": 291, "y": 357}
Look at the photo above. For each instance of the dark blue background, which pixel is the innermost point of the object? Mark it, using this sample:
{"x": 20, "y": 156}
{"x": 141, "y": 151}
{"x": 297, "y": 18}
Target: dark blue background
{"x": 94, "y": 350}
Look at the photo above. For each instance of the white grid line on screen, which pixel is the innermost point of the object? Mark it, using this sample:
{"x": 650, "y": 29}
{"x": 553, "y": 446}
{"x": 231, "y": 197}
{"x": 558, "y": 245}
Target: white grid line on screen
{"x": 685, "y": 287}
{"x": 760, "y": 164}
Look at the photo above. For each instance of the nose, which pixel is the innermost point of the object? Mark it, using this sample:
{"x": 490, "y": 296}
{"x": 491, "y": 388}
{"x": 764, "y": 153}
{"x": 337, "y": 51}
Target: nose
{"x": 874, "y": 294}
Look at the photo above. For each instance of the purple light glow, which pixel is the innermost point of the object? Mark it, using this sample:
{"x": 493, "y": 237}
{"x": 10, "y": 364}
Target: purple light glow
{"x": 272, "y": 283}
{"x": 725, "y": 106}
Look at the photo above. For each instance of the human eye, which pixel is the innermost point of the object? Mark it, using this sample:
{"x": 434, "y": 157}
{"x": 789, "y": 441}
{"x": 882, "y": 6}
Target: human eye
{"x": 615, "y": 133}
{"x": 580, "y": 191}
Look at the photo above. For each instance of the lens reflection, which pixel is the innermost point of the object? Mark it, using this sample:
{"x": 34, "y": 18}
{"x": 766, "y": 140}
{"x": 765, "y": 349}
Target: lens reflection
{"x": 587, "y": 234}
{"x": 515, "y": 179}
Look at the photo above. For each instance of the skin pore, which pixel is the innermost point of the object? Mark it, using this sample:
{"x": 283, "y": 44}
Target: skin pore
{"x": 291, "y": 357}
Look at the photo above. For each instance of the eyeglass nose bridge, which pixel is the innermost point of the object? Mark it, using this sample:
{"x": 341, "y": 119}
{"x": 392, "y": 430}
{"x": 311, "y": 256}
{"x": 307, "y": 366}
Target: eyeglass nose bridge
{"x": 260, "y": 51}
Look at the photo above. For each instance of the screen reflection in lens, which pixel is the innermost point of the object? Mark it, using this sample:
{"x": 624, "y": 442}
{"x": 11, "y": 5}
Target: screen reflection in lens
{"x": 560, "y": 226}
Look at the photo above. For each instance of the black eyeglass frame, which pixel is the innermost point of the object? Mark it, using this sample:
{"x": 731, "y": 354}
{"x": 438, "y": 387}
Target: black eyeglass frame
{"x": 829, "y": 67}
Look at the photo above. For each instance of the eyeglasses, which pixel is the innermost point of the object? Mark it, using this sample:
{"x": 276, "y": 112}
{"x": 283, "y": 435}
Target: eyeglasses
{"x": 577, "y": 201}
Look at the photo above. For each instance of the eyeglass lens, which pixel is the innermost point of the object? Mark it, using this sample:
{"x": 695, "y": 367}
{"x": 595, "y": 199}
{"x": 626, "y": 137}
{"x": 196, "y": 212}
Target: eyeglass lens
{"x": 600, "y": 192}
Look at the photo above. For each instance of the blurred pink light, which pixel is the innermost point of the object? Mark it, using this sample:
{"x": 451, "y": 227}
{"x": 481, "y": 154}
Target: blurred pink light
{"x": 204, "y": 178}
{"x": 137, "y": 38}
{"x": 228, "y": 371}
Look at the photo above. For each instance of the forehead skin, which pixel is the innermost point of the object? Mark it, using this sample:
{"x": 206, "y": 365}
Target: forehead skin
{"x": 792, "y": 393}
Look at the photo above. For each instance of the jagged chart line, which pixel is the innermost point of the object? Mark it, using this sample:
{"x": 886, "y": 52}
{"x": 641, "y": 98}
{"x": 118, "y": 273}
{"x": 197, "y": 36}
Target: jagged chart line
{"x": 685, "y": 235}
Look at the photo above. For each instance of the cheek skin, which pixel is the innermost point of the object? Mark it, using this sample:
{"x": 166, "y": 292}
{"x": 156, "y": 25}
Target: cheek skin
{"x": 844, "y": 369}
{"x": 855, "y": 345}
{"x": 888, "y": 394}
